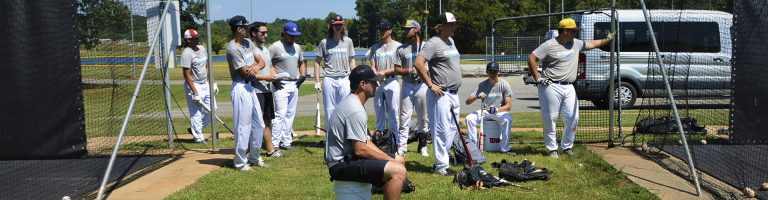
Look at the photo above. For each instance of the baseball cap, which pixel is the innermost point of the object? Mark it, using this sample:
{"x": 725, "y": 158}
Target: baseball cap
{"x": 238, "y": 21}
{"x": 567, "y": 23}
{"x": 384, "y": 24}
{"x": 291, "y": 28}
{"x": 492, "y": 66}
{"x": 412, "y": 24}
{"x": 447, "y": 17}
{"x": 190, "y": 33}
{"x": 338, "y": 20}
{"x": 363, "y": 73}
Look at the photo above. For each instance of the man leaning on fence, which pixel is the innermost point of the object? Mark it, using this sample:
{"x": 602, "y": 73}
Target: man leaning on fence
{"x": 559, "y": 60}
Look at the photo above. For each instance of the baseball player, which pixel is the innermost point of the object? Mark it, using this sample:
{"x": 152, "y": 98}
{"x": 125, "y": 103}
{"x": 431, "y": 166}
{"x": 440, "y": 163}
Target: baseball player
{"x": 262, "y": 84}
{"x": 194, "y": 64}
{"x": 243, "y": 67}
{"x": 414, "y": 91}
{"x": 386, "y": 103}
{"x": 443, "y": 81}
{"x": 287, "y": 58}
{"x": 496, "y": 97}
{"x": 337, "y": 53}
{"x": 559, "y": 60}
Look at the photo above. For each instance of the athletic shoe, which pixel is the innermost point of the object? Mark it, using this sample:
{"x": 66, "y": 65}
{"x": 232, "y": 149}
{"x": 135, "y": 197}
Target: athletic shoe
{"x": 200, "y": 140}
{"x": 553, "y": 154}
{"x": 424, "y": 152}
{"x": 510, "y": 153}
{"x": 445, "y": 172}
{"x": 261, "y": 163}
{"x": 245, "y": 168}
{"x": 274, "y": 154}
{"x": 569, "y": 152}
{"x": 294, "y": 134}
{"x": 287, "y": 147}
{"x": 402, "y": 151}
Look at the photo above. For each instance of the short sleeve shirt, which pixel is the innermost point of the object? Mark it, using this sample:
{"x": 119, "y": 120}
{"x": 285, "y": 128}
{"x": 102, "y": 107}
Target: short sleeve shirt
{"x": 384, "y": 55}
{"x": 495, "y": 93}
{"x": 263, "y": 86}
{"x": 239, "y": 55}
{"x": 286, "y": 58}
{"x": 348, "y": 122}
{"x": 196, "y": 61}
{"x": 406, "y": 54}
{"x": 443, "y": 60}
{"x": 335, "y": 55}
{"x": 559, "y": 62}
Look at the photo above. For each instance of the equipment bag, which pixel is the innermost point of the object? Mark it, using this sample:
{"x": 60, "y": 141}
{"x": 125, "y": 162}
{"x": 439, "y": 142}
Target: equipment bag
{"x": 519, "y": 172}
{"x": 476, "y": 176}
{"x": 460, "y": 155}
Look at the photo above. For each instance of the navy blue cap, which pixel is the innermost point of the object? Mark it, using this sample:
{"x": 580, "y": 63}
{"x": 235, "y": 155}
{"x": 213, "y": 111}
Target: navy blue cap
{"x": 238, "y": 21}
{"x": 384, "y": 24}
{"x": 363, "y": 73}
{"x": 492, "y": 66}
{"x": 291, "y": 28}
{"x": 337, "y": 20}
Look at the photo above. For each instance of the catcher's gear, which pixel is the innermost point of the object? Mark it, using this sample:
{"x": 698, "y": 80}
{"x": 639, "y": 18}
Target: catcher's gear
{"x": 476, "y": 176}
{"x": 524, "y": 171}
{"x": 385, "y": 140}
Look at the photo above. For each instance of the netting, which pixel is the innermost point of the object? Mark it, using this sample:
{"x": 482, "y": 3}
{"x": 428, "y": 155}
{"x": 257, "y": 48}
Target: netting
{"x": 707, "y": 56}
{"x": 114, "y": 39}
{"x": 515, "y": 39}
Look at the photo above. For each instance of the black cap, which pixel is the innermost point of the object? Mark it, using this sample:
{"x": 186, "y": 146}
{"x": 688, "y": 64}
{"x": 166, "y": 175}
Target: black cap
{"x": 447, "y": 17}
{"x": 337, "y": 20}
{"x": 492, "y": 66}
{"x": 384, "y": 24}
{"x": 238, "y": 21}
{"x": 362, "y": 73}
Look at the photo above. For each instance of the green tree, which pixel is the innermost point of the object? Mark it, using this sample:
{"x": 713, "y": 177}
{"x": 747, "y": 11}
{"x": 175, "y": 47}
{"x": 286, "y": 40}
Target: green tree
{"x": 190, "y": 12}
{"x": 102, "y": 19}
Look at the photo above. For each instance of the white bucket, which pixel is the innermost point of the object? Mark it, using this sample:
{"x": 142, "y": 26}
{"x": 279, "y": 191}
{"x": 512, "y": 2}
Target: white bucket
{"x": 492, "y": 131}
{"x": 350, "y": 190}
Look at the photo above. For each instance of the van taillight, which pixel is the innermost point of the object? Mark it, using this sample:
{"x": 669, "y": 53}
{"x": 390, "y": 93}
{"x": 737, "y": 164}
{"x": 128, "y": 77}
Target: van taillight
{"x": 582, "y": 70}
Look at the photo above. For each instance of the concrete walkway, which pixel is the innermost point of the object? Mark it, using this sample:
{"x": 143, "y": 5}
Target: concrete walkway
{"x": 648, "y": 174}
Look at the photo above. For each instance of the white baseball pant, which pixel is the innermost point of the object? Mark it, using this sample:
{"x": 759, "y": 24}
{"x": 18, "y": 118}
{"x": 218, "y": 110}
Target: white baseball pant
{"x": 335, "y": 88}
{"x": 198, "y": 116}
{"x": 503, "y": 118}
{"x": 553, "y": 99}
{"x": 386, "y": 104}
{"x": 249, "y": 126}
{"x": 442, "y": 125}
{"x": 413, "y": 95}
{"x": 285, "y": 112}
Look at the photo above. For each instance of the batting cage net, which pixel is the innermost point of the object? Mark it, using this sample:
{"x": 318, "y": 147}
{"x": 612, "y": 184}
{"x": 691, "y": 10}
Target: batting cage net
{"x": 713, "y": 60}
{"x": 514, "y": 39}
{"x": 113, "y": 38}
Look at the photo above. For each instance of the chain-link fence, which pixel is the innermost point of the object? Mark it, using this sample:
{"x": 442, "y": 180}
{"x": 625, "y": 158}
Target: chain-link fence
{"x": 114, "y": 39}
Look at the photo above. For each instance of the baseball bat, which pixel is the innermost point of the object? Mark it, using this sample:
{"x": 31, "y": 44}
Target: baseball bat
{"x": 317, "y": 113}
{"x": 481, "y": 135}
{"x": 471, "y": 162}
{"x": 217, "y": 117}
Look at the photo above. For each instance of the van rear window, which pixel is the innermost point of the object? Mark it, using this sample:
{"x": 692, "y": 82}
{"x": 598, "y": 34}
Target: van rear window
{"x": 671, "y": 36}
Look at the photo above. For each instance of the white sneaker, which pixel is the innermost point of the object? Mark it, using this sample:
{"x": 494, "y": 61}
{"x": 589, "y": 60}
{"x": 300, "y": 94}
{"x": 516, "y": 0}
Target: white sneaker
{"x": 423, "y": 152}
{"x": 261, "y": 163}
{"x": 245, "y": 168}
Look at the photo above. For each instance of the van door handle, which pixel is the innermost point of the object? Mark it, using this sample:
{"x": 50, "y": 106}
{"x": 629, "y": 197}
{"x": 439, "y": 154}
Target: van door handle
{"x": 718, "y": 59}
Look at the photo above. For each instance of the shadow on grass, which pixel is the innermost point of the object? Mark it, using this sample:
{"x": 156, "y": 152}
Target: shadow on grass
{"x": 417, "y": 167}
{"x": 221, "y": 162}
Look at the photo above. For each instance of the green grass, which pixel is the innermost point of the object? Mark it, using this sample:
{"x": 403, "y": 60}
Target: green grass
{"x": 302, "y": 175}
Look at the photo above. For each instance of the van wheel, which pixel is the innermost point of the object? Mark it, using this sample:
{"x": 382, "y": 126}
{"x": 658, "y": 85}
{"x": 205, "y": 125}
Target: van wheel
{"x": 629, "y": 97}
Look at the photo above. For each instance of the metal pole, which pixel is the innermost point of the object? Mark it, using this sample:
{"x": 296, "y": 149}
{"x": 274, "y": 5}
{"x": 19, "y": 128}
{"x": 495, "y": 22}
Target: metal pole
{"x": 671, "y": 99}
{"x": 112, "y": 158}
{"x": 562, "y": 8}
{"x": 214, "y": 134}
{"x": 441, "y": 6}
{"x": 164, "y": 57}
{"x": 612, "y": 82}
{"x": 549, "y": 10}
{"x": 426, "y": 19}
{"x": 133, "y": 48}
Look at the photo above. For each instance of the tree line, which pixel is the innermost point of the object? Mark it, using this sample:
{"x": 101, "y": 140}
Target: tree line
{"x": 99, "y": 19}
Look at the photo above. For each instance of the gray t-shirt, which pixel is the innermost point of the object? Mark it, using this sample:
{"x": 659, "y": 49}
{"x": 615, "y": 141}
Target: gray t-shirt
{"x": 262, "y": 86}
{"x": 196, "y": 61}
{"x": 384, "y": 55}
{"x": 443, "y": 59}
{"x": 286, "y": 58}
{"x": 495, "y": 93}
{"x": 239, "y": 55}
{"x": 559, "y": 62}
{"x": 348, "y": 122}
{"x": 406, "y": 54}
{"x": 336, "y": 56}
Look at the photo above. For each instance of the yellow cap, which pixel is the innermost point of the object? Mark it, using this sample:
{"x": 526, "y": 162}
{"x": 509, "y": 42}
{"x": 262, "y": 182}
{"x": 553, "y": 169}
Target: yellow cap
{"x": 567, "y": 23}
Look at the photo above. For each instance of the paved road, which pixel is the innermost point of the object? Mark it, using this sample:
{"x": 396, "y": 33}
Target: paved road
{"x": 525, "y": 98}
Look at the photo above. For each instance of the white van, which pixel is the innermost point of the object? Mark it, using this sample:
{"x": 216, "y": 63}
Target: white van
{"x": 696, "y": 43}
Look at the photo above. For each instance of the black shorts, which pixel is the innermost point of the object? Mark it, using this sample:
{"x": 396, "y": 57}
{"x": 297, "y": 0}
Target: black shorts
{"x": 361, "y": 170}
{"x": 267, "y": 105}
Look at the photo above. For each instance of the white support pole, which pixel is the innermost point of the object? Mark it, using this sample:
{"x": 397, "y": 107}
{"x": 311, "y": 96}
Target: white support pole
{"x": 112, "y": 158}
{"x": 214, "y": 134}
{"x": 671, "y": 98}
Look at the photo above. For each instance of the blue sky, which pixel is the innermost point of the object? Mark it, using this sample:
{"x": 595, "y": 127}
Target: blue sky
{"x": 268, "y": 10}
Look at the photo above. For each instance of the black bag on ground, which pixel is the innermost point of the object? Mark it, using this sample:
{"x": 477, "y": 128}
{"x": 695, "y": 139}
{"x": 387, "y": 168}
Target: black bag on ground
{"x": 663, "y": 125}
{"x": 386, "y": 142}
{"x": 476, "y": 176}
{"x": 518, "y": 172}
{"x": 460, "y": 155}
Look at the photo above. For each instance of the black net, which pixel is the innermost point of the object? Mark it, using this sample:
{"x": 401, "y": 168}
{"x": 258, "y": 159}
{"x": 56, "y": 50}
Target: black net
{"x": 113, "y": 39}
{"x": 701, "y": 50}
